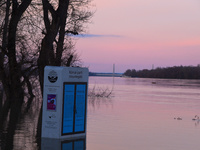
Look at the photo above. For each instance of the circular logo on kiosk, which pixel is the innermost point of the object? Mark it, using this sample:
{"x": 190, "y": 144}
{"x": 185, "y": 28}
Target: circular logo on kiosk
{"x": 52, "y": 76}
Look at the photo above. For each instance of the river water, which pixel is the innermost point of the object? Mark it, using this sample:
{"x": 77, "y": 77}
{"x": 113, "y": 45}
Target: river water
{"x": 140, "y": 114}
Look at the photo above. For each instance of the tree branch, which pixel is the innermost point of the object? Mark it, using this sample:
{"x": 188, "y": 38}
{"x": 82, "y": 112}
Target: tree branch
{"x": 72, "y": 32}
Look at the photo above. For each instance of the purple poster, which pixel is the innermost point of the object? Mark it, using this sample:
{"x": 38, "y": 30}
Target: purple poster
{"x": 51, "y": 102}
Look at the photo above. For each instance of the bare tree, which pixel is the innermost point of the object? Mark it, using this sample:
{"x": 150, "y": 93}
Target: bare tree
{"x": 19, "y": 51}
{"x": 61, "y": 18}
{"x": 10, "y": 70}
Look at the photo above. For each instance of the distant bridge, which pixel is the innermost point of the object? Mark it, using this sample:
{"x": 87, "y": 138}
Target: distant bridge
{"x": 105, "y": 74}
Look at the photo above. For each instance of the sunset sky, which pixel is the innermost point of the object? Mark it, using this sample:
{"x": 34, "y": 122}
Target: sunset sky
{"x": 135, "y": 34}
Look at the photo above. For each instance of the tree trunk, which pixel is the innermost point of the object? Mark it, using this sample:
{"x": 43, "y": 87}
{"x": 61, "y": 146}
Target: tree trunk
{"x": 62, "y": 12}
{"x": 13, "y": 120}
{"x": 46, "y": 57}
{"x": 57, "y": 25}
{"x": 3, "y": 76}
{"x": 16, "y": 90}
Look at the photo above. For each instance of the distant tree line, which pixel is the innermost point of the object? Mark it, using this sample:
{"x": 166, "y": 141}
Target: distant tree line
{"x": 176, "y": 72}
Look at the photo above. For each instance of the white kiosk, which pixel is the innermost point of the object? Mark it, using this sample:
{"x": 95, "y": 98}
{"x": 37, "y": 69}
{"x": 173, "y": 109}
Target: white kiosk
{"x": 64, "y": 102}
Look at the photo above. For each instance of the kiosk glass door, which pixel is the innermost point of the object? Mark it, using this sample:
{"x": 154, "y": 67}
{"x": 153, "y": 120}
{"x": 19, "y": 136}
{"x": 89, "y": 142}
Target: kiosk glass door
{"x": 74, "y": 108}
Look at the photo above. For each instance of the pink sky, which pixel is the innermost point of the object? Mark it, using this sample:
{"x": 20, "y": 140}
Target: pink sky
{"x": 134, "y": 34}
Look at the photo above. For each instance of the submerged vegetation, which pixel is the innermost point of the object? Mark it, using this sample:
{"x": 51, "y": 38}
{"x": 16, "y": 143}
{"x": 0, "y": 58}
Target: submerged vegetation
{"x": 100, "y": 92}
{"x": 176, "y": 72}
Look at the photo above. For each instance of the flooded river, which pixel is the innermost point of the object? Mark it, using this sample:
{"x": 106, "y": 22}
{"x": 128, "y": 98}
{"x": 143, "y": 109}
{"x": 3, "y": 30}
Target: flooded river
{"x": 140, "y": 114}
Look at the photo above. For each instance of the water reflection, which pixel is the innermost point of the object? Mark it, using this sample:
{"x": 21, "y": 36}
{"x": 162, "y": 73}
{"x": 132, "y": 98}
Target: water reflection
{"x": 56, "y": 144}
{"x": 97, "y": 102}
{"x": 197, "y": 123}
{"x": 19, "y": 124}
{"x": 139, "y": 115}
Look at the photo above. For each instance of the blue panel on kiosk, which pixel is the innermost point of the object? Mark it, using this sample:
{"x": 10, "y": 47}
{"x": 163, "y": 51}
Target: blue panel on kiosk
{"x": 74, "y": 145}
{"x": 79, "y": 145}
{"x": 67, "y": 146}
{"x": 80, "y": 108}
{"x": 68, "y": 108}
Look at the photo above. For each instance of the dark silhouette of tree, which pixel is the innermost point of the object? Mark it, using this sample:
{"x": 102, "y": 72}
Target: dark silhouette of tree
{"x": 24, "y": 51}
{"x": 60, "y": 18}
{"x": 128, "y": 73}
{"x": 8, "y": 47}
{"x": 10, "y": 68}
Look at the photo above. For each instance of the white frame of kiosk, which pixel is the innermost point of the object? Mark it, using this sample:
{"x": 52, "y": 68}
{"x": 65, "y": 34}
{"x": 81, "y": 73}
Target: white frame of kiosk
{"x": 64, "y": 111}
